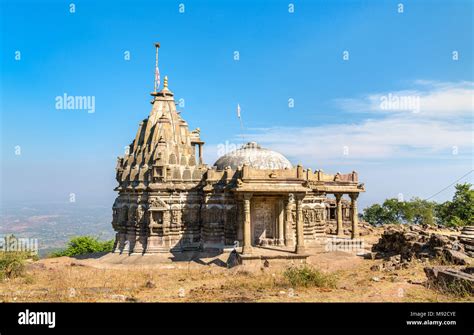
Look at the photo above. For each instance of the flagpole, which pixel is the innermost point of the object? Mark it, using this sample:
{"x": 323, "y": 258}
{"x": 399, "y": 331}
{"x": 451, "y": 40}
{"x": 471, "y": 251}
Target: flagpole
{"x": 241, "y": 123}
{"x": 157, "y": 46}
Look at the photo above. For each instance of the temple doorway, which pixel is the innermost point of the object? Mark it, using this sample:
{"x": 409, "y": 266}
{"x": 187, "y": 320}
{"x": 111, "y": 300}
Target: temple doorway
{"x": 263, "y": 221}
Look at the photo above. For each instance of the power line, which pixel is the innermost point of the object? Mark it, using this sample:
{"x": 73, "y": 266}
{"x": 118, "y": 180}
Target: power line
{"x": 454, "y": 182}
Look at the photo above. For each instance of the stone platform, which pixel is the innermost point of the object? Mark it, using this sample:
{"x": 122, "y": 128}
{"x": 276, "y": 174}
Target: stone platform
{"x": 260, "y": 257}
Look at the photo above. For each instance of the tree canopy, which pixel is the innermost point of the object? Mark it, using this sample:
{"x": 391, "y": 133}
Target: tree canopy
{"x": 458, "y": 212}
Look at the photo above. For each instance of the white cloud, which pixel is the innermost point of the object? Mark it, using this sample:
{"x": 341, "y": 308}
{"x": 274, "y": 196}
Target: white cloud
{"x": 436, "y": 131}
{"x": 387, "y": 138}
{"x": 436, "y": 100}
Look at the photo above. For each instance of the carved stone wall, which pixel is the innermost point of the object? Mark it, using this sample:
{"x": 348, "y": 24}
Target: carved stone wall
{"x": 168, "y": 200}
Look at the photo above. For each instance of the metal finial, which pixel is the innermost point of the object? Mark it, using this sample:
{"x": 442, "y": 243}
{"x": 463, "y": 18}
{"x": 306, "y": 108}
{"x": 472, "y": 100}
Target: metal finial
{"x": 165, "y": 82}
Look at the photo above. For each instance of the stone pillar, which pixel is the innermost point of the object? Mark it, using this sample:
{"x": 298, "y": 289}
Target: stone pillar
{"x": 340, "y": 229}
{"x": 354, "y": 215}
{"x": 289, "y": 237}
{"x": 200, "y": 153}
{"x": 281, "y": 223}
{"x": 300, "y": 249}
{"x": 247, "y": 241}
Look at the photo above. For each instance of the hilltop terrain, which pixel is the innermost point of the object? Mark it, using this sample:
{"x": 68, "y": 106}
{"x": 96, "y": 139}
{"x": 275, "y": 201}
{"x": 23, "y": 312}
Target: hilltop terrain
{"x": 157, "y": 278}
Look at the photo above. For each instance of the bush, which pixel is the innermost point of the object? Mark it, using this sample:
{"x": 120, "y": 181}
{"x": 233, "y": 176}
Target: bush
{"x": 307, "y": 276}
{"x": 12, "y": 264}
{"x": 457, "y": 288}
{"x": 85, "y": 245}
{"x": 455, "y": 221}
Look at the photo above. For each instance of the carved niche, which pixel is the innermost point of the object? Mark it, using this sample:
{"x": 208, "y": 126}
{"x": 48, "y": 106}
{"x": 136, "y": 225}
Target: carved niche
{"x": 140, "y": 216}
{"x": 176, "y": 218}
{"x": 319, "y": 213}
{"x": 156, "y": 222}
{"x": 309, "y": 216}
{"x": 157, "y": 210}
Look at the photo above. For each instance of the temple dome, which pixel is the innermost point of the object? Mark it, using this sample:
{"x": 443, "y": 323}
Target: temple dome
{"x": 255, "y": 156}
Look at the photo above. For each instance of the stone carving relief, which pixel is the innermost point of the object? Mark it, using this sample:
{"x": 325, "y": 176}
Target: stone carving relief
{"x": 156, "y": 222}
{"x": 140, "y": 214}
{"x": 319, "y": 214}
{"x": 176, "y": 218}
{"x": 158, "y": 204}
{"x": 309, "y": 216}
{"x": 166, "y": 222}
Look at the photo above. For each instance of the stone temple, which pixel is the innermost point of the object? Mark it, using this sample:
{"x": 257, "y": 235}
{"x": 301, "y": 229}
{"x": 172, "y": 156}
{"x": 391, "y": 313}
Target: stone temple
{"x": 251, "y": 199}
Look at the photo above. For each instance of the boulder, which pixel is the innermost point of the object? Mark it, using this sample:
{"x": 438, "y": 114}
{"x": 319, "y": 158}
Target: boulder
{"x": 448, "y": 278}
{"x": 413, "y": 242}
{"x": 456, "y": 257}
{"x": 437, "y": 240}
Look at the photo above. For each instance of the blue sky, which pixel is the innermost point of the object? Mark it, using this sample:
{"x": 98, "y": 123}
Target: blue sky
{"x": 282, "y": 56}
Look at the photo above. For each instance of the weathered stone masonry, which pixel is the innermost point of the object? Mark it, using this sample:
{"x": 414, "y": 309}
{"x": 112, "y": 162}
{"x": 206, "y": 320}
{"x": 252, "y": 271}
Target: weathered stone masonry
{"x": 169, "y": 200}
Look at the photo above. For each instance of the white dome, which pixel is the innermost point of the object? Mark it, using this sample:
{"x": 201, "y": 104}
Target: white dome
{"x": 255, "y": 156}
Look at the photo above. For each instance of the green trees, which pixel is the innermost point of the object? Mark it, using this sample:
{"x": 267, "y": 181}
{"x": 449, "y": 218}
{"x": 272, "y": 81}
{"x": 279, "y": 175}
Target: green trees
{"x": 375, "y": 215}
{"x": 85, "y": 245}
{"x": 458, "y": 212}
{"x": 419, "y": 211}
{"x": 393, "y": 211}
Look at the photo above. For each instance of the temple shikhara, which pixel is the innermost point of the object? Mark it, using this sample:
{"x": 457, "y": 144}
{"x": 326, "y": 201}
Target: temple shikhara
{"x": 250, "y": 199}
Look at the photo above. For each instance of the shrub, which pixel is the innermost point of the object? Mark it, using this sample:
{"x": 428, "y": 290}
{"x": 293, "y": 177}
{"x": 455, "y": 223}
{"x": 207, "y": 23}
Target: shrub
{"x": 84, "y": 245}
{"x": 12, "y": 264}
{"x": 457, "y": 288}
{"x": 307, "y": 276}
{"x": 455, "y": 221}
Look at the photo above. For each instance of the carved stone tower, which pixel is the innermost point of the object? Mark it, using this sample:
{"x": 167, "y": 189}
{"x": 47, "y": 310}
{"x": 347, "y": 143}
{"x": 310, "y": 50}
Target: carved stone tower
{"x": 157, "y": 179}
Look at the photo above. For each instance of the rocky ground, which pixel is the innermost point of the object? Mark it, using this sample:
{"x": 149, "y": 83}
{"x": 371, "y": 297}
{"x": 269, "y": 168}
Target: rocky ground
{"x": 361, "y": 277}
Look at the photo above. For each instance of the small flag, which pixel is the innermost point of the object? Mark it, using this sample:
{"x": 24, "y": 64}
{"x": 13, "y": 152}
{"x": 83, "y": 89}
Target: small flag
{"x": 238, "y": 111}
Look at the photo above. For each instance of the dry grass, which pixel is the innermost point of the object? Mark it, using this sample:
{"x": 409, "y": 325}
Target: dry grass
{"x": 66, "y": 281}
